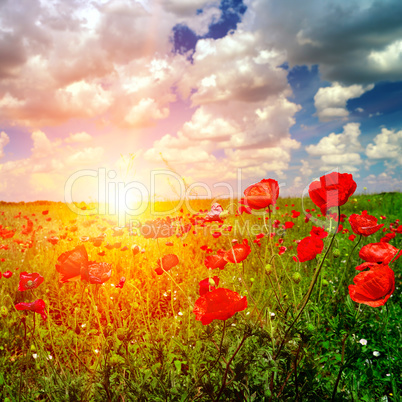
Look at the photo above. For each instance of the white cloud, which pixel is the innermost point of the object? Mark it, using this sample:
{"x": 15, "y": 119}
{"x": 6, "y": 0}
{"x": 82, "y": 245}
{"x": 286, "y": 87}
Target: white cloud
{"x": 348, "y": 141}
{"x": 4, "y": 140}
{"x": 306, "y": 170}
{"x": 385, "y": 181}
{"x": 338, "y": 151}
{"x": 85, "y": 99}
{"x": 330, "y": 102}
{"x": 88, "y": 156}
{"x": 387, "y": 146}
{"x": 236, "y": 67}
{"x": 78, "y": 137}
{"x": 42, "y": 146}
{"x": 145, "y": 110}
{"x": 342, "y": 159}
{"x": 200, "y": 23}
{"x": 8, "y": 101}
{"x": 387, "y": 60}
{"x": 243, "y": 115}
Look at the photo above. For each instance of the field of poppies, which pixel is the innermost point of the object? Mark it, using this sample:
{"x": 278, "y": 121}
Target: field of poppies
{"x": 271, "y": 299}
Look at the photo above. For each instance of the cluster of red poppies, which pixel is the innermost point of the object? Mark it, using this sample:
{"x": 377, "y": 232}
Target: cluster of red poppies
{"x": 74, "y": 265}
{"x": 373, "y": 287}
{"x": 30, "y": 282}
{"x": 221, "y": 303}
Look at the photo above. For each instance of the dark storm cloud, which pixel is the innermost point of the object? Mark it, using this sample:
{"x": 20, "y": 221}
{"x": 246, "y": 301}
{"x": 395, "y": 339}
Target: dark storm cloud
{"x": 339, "y": 36}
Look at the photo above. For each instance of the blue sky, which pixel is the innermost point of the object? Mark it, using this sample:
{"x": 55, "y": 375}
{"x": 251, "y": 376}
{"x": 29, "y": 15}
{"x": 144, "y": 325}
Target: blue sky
{"x": 214, "y": 91}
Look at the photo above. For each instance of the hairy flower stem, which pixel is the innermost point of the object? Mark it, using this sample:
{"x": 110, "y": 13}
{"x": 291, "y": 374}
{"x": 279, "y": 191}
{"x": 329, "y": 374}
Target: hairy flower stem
{"x": 170, "y": 276}
{"x": 347, "y": 265}
{"x": 308, "y": 294}
{"x": 262, "y": 264}
{"x": 228, "y": 366}
{"x": 340, "y": 368}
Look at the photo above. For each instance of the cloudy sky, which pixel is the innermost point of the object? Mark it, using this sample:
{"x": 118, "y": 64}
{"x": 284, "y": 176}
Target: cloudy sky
{"x": 222, "y": 93}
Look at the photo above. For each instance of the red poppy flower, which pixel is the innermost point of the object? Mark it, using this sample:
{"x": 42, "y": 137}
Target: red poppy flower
{"x": 289, "y": 225}
{"x": 352, "y": 237}
{"x": 388, "y": 237}
{"x": 136, "y": 249}
{"x": 381, "y": 252}
{"x": 295, "y": 214}
{"x": 318, "y": 232}
{"x": 38, "y": 306}
{"x": 97, "y": 241}
{"x": 238, "y": 252}
{"x": 54, "y": 240}
{"x": 309, "y": 248}
{"x": 168, "y": 262}
{"x": 333, "y": 189}
{"x": 365, "y": 265}
{"x": 208, "y": 284}
{"x": 96, "y": 272}
{"x": 29, "y": 281}
{"x": 373, "y": 287}
{"x": 215, "y": 261}
{"x": 243, "y": 208}
{"x": 262, "y": 194}
{"x": 220, "y": 304}
{"x": 71, "y": 263}
{"x": 45, "y": 212}
{"x": 5, "y": 233}
{"x": 121, "y": 282}
{"x": 282, "y": 250}
{"x": 156, "y": 229}
{"x": 364, "y": 224}
{"x": 7, "y": 274}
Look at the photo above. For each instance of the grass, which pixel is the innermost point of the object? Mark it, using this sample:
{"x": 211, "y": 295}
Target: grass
{"x": 143, "y": 343}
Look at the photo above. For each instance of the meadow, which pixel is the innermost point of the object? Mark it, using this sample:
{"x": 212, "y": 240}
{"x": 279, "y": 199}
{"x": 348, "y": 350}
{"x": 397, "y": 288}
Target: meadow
{"x": 124, "y": 317}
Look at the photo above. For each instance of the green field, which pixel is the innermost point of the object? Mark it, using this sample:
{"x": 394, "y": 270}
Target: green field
{"x": 298, "y": 339}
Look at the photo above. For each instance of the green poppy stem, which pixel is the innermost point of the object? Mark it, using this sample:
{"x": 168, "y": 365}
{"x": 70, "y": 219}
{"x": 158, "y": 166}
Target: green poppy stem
{"x": 310, "y": 290}
{"x": 347, "y": 265}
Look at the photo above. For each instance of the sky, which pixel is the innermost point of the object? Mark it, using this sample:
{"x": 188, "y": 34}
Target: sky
{"x": 124, "y": 99}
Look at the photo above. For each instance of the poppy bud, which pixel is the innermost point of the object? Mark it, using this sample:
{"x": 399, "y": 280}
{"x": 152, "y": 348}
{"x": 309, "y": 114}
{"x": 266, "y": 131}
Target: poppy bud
{"x": 336, "y": 253}
{"x": 212, "y": 282}
{"x": 121, "y": 334}
{"x": 224, "y": 214}
{"x": 310, "y": 327}
{"x": 268, "y": 268}
{"x": 325, "y": 282}
{"x": 3, "y": 311}
{"x": 296, "y": 277}
{"x": 33, "y": 348}
{"x": 77, "y": 330}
